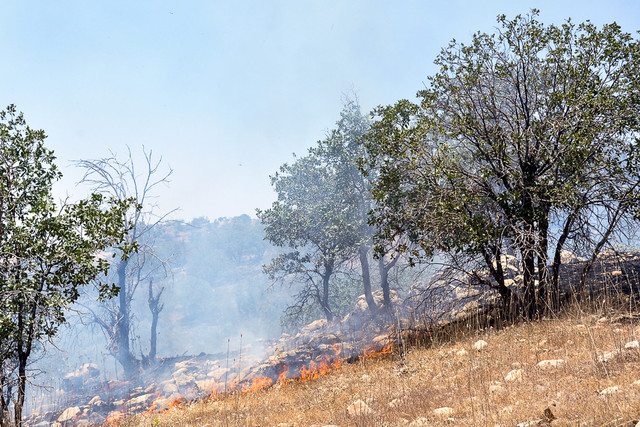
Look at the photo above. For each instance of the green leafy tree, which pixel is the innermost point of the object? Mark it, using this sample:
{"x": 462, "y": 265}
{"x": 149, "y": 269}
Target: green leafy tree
{"x": 344, "y": 154}
{"x": 47, "y": 253}
{"x": 310, "y": 219}
{"x": 525, "y": 143}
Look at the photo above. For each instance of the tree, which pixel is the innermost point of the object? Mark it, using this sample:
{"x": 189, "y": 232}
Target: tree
{"x": 344, "y": 154}
{"x": 47, "y": 253}
{"x": 524, "y": 142}
{"x": 120, "y": 179}
{"x": 310, "y": 219}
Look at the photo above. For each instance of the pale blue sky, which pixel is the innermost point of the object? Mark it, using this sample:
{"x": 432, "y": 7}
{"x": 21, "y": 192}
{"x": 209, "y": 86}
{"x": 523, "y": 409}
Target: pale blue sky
{"x": 227, "y": 91}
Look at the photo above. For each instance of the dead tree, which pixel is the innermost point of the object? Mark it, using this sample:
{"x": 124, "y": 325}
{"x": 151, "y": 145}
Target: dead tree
{"x": 120, "y": 179}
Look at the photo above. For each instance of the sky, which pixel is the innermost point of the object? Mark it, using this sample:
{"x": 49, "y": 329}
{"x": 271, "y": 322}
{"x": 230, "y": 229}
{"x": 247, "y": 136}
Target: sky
{"x": 226, "y": 92}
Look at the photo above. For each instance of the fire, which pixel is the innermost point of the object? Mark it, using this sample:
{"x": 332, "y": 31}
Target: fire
{"x": 112, "y": 418}
{"x": 154, "y": 404}
{"x": 258, "y": 383}
{"x": 372, "y": 352}
{"x": 282, "y": 378}
{"x": 175, "y": 402}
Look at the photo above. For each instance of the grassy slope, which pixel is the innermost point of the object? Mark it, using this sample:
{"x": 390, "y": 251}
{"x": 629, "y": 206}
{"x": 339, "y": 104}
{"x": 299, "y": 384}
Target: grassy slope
{"x": 405, "y": 390}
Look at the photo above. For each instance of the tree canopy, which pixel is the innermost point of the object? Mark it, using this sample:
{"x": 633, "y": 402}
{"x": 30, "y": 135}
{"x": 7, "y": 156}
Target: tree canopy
{"x": 524, "y": 142}
{"x": 47, "y": 252}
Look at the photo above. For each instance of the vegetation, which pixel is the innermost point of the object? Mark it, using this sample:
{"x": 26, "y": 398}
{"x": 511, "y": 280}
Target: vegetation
{"x": 119, "y": 180}
{"x": 47, "y": 252}
{"x": 524, "y": 143}
{"x": 502, "y": 384}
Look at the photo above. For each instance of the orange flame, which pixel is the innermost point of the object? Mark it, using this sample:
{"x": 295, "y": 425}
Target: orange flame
{"x": 282, "y": 378}
{"x": 258, "y": 383}
{"x": 112, "y": 418}
{"x": 372, "y": 352}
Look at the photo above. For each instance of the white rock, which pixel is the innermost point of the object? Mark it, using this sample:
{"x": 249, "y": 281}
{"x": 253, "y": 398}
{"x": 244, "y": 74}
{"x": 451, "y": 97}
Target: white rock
{"x": 632, "y": 345}
{"x": 515, "y": 375}
{"x": 552, "y": 363}
{"x": 69, "y": 414}
{"x": 497, "y": 389}
{"x": 96, "y": 401}
{"x": 480, "y": 345}
{"x": 610, "y": 390}
{"x": 143, "y": 399}
{"x": 395, "y": 403}
{"x": 358, "y": 408}
{"x": 608, "y": 355}
{"x": 444, "y": 412}
{"x": 315, "y": 326}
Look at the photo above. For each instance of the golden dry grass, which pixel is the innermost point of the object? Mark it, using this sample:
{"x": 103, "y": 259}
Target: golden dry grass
{"x": 406, "y": 389}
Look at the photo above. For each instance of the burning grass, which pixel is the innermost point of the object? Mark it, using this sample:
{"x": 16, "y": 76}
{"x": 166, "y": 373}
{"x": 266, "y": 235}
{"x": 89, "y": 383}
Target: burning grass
{"x": 450, "y": 382}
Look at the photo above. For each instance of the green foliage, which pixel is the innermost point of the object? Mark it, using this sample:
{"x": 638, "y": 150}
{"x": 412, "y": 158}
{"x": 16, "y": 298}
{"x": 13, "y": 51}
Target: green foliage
{"x": 525, "y": 142}
{"x": 46, "y": 252}
{"x": 319, "y": 213}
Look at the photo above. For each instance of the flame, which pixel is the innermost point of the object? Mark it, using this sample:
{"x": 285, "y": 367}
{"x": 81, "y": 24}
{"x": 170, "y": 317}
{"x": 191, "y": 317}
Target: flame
{"x": 282, "y": 378}
{"x": 258, "y": 383}
{"x": 112, "y": 418}
{"x": 154, "y": 404}
{"x": 373, "y": 352}
{"x": 175, "y": 402}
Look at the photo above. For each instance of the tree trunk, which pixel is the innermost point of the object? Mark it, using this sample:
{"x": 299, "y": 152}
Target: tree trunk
{"x": 123, "y": 352}
{"x": 155, "y": 307}
{"x": 22, "y": 387}
{"x": 363, "y": 252}
{"x": 543, "y": 259}
{"x": 324, "y": 303}
{"x": 4, "y": 404}
{"x": 528, "y": 277}
{"x": 384, "y": 282}
{"x": 557, "y": 260}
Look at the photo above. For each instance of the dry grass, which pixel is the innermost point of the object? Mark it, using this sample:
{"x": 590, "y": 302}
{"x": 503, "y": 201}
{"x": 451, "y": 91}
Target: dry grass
{"x": 405, "y": 389}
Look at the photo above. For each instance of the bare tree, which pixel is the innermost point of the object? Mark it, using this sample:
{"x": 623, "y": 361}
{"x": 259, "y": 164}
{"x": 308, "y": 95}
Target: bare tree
{"x": 121, "y": 179}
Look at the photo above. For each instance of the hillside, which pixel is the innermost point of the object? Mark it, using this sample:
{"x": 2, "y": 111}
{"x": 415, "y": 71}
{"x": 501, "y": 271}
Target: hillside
{"x": 580, "y": 368}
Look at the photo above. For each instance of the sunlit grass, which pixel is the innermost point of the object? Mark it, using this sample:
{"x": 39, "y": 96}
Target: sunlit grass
{"x": 501, "y": 384}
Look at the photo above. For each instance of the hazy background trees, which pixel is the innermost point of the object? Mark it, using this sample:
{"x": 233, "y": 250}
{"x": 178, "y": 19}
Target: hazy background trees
{"x": 123, "y": 178}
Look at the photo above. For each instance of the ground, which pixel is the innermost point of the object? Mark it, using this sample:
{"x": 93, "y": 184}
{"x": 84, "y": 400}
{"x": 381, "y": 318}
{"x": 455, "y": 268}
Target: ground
{"x": 579, "y": 368}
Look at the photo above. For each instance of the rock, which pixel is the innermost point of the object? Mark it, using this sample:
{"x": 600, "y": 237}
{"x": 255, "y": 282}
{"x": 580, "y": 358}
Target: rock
{"x": 358, "y": 408}
{"x": 96, "y": 401}
{"x": 567, "y": 257}
{"x": 86, "y": 373}
{"x": 632, "y": 345}
{"x": 461, "y": 353}
{"x": 609, "y": 390}
{"x": 497, "y": 389}
{"x": 169, "y": 387}
{"x": 480, "y": 345}
{"x": 315, "y": 326}
{"x": 395, "y": 403}
{"x": 207, "y": 386}
{"x": 515, "y": 375}
{"x": 551, "y": 364}
{"x": 444, "y": 412}
{"x": 608, "y": 356}
{"x": 69, "y": 414}
{"x": 141, "y": 400}
{"x": 547, "y": 415}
